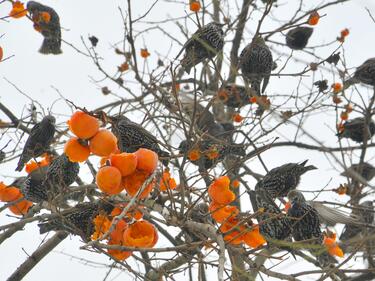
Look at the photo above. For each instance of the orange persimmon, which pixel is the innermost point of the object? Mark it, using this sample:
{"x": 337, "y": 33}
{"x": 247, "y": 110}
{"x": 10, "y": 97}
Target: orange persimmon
{"x": 103, "y": 143}
{"x": 1, "y": 53}
{"x": 220, "y": 213}
{"x": 118, "y": 254}
{"x": 125, "y": 162}
{"x": 101, "y": 225}
{"x": 195, "y": 6}
{"x": 194, "y": 155}
{"x": 135, "y": 212}
{"x": 233, "y": 231}
{"x": 134, "y": 182}
{"x": 313, "y": 18}
{"x": 83, "y": 125}
{"x": 117, "y": 234}
{"x": 76, "y": 151}
{"x": 140, "y": 234}
{"x": 147, "y": 160}
{"x": 166, "y": 182}
{"x": 332, "y": 247}
{"x": 9, "y": 194}
{"x": 21, "y": 208}
{"x": 144, "y": 53}
{"x": 253, "y": 238}
{"x": 237, "y": 118}
{"x": 108, "y": 180}
{"x": 337, "y": 87}
{"x": 18, "y": 10}
{"x": 219, "y": 191}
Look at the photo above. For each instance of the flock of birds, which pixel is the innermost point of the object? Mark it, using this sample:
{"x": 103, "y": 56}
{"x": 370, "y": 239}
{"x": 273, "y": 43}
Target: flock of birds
{"x": 303, "y": 219}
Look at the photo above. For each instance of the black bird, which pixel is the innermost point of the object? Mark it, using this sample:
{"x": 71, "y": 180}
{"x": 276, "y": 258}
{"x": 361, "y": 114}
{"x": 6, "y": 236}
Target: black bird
{"x": 256, "y": 64}
{"x": 77, "y": 220}
{"x": 49, "y": 26}
{"x": 280, "y": 180}
{"x": 39, "y": 140}
{"x": 355, "y": 129}
{"x": 305, "y": 225}
{"x": 205, "y": 43}
{"x": 365, "y": 74}
{"x": 236, "y": 96}
{"x": 297, "y": 38}
{"x": 132, "y": 136}
{"x": 365, "y": 213}
{"x": 273, "y": 223}
{"x": 367, "y": 172}
{"x": 45, "y": 183}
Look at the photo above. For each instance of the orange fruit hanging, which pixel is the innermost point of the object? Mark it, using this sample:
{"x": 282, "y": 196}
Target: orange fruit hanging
{"x": 125, "y": 162}
{"x": 221, "y": 213}
{"x": 108, "y": 180}
{"x": 103, "y": 143}
{"x": 21, "y": 208}
{"x": 134, "y": 182}
{"x": 147, "y": 160}
{"x": 118, "y": 254}
{"x": 83, "y": 125}
{"x": 140, "y": 234}
{"x": 76, "y": 151}
{"x": 9, "y": 194}
{"x": 1, "y": 53}
{"x": 18, "y": 10}
{"x": 219, "y": 191}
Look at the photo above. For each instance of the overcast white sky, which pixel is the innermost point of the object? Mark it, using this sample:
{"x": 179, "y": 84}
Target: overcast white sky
{"x": 70, "y": 73}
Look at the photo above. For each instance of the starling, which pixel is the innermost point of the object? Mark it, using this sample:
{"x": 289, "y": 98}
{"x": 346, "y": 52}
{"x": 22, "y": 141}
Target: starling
{"x": 365, "y": 214}
{"x": 205, "y": 43}
{"x": 39, "y": 140}
{"x": 306, "y": 226}
{"x": 132, "y": 136}
{"x": 280, "y": 180}
{"x": 273, "y": 224}
{"x": 365, "y": 74}
{"x": 367, "y": 172}
{"x": 236, "y": 96}
{"x": 47, "y": 21}
{"x": 256, "y": 64}
{"x": 61, "y": 173}
{"x": 33, "y": 189}
{"x": 355, "y": 130}
{"x": 206, "y": 146}
{"x": 77, "y": 220}
{"x": 297, "y": 38}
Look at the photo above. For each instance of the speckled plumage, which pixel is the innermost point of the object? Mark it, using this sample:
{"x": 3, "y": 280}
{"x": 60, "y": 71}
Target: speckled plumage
{"x": 365, "y": 214}
{"x": 132, "y": 136}
{"x": 51, "y": 30}
{"x": 305, "y": 225}
{"x": 33, "y": 188}
{"x": 280, "y": 180}
{"x": 205, "y": 43}
{"x": 354, "y": 129}
{"x": 39, "y": 140}
{"x": 298, "y": 37}
{"x": 77, "y": 220}
{"x": 256, "y": 64}
{"x": 365, "y": 74}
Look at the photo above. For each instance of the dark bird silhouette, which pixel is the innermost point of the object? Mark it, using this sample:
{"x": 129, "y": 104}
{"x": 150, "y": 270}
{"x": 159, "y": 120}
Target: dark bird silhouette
{"x": 49, "y": 26}
{"x": 205, "y": 43}
{"x": 132, "y": 136}
{"x": 273, "y": 223}
{"x": 39, "y": 140}
{"x": 365, "y": 74}
{"x": 280, "y": 180}
{"x": 305, "y": 225}
{"x": 365, "y": 214}
{"x": 45, "y": 183}
{"x": 237, "y": 96}
{"x": 367, "y": 172}
{"x": 297, "y": 38}
{"x": 256, "y": 64}
{"x": 77, "y": 220}
{"x": 355, "y": 130}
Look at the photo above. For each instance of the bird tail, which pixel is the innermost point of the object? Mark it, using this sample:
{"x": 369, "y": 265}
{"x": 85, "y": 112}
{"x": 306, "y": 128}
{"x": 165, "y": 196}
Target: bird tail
{"x": 46, "y": 227}
{"x": 166, "y": 157}
{"x": 350, "y": 82}
{"x": 326, "y": 259}
{"x": 236, "y": 150}
{"x": 51, "y": 45}
{"x": 187, "y": 64}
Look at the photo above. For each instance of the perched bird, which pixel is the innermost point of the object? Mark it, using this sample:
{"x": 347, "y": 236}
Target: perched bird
{"x": 365, "y": 213}
{"x": 256, "y": 64}
{"x": 39, "y": 140}
{"x": 132, "y": 136}
{"x": 205, "y": 43}
{"x": 365, "y": 74}
{"x": 367, "y": 172}
{"x": 77, "y": 220}
{"x": 211, "y": 153}
{"x": 280, "y": 180}
{"x": 355, "y": 129}
{"x": 297, "y": 38}
{"x": 273, "y": 223}
{"x": 305, "y": 226}
{"x": 236, "y": 96}
{"x": 200, "y": 213}
{"x": 45, "y": 183}
{"x": 46, "y": 21}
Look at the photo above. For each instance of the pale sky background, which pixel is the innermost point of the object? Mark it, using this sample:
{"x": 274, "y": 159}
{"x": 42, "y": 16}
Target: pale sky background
{"x": 71, "y": 73}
